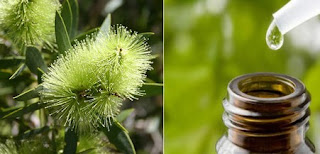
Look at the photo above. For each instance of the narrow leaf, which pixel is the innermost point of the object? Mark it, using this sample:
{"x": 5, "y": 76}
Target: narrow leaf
{"x": 40, "y": 73}
{"x": 88, "y": 151}
{"x": 62, "y": 36}
{"x": 31, "y": 133}
{"x": 23, "y": 110}
{"x": 18, "y": 71}
{"x": 34, "y": 60}
{"x": 71, "y": 140}
{"x": 75, "y": 17}
{"x": 66, "y": 14}
{"x": 105, "y": 27}
{"x": 148, "y": 80}
{"x": 146, "y": 34}
{"x": 29, "y": 94}
{"x": 7, "y": 111}
{"x": 119, "y": 136}
{"x": 85, "y": 34}
{"x": 70, "y": 16}
{"x": 10, "y": 62}
{"x": 152, "y": 89}
{"x": 124, "y": 114}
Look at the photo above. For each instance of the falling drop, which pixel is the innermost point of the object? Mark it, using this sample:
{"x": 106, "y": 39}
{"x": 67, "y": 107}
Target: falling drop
{"x": 274, "y": 37}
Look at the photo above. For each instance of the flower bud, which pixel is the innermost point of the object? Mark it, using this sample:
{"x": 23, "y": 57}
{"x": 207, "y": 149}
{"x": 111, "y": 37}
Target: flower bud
{"x": 28, "y": 22}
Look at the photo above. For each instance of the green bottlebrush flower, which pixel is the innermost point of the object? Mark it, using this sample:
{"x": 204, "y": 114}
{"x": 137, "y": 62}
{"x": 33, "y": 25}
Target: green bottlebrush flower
{"x": 86, "y": 87}
{"x": 28, "y": 22}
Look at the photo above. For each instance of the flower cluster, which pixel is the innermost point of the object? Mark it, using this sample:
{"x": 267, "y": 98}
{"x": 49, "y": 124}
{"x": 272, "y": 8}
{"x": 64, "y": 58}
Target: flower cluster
{"x": 86, "y": 87}
{"x": 28, "y": 22}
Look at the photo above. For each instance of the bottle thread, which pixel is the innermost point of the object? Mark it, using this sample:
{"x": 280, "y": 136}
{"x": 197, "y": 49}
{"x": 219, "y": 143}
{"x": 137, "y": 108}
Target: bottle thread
{"x": 266, "y": 113}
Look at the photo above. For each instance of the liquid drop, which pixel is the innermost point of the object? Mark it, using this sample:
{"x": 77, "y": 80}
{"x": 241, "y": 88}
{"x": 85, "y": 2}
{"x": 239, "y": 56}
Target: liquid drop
{"x": 274, "y": 37}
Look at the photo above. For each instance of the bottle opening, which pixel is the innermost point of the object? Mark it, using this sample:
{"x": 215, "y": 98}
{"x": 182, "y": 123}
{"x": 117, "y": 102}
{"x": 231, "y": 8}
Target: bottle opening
{"x": 266, "y": 113}
{"x": 266, "y": 86}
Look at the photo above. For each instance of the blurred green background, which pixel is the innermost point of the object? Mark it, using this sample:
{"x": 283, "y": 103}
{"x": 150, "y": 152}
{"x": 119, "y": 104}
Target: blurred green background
{"x": 209, "y": 42}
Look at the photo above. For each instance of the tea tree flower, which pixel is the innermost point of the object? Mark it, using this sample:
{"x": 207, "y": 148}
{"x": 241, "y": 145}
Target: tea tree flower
{"x": 28, "y": 22}
{"x": 86, "y": 87}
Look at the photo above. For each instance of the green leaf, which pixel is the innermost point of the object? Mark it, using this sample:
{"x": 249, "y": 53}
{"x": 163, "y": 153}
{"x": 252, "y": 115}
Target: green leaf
{"x": 18, "y": 71}
{"x": 34, "y": 60}
{"x": 69, "y": 14}
{"x": 119, "y": 136}
{"x": 29, "y": 94}
{"x": 62, "y": 36}
{"x": 10, "y": 62}
{"x": 66, "y": 14}
{"x": 148, "y": 80}
{"x": 71, "y": 140}
{"x": 105, "y": 27}
{"x": 85, "y": 34}
{"x": 152, "y": 89}
{"x": 33, "y": 132}
{"x": 40, "y": 73}
{"x": 88, "y": 151}
{"x": 7, "y": 111}
{"x": 146, "y": 34}
{"x": 75, "y": 17}
{"x": 22, "y": 110}
{"x": 124, "y": 114}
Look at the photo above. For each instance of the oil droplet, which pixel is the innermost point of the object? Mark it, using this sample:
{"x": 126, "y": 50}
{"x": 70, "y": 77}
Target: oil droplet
{"x": 274, "y": 37}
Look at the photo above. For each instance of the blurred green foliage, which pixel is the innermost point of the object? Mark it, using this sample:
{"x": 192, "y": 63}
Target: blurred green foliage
{"x": 209, "y": 42}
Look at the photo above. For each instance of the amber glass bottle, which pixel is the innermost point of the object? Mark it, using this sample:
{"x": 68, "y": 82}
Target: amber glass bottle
{"x": 266, "y": 113}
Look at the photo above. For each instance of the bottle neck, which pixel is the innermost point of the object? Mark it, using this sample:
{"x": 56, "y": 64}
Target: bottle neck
{"x": 266, "y": 112}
